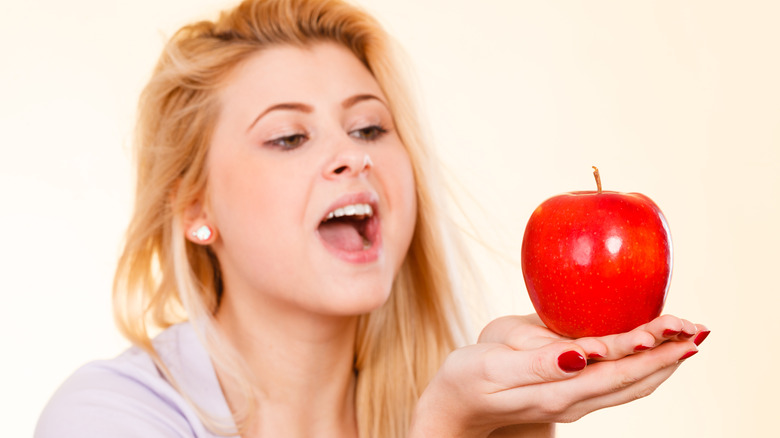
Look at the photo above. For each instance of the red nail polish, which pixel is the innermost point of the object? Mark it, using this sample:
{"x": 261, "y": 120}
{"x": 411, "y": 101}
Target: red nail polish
{"x": 641, "y": 348}
{"x": 685, "y": 335}
{"x": 595, "y": 356}
{"x": 688, "y": 354}
{"x": 571, "y": 361}
{"x": 671, "y": 333}
{"x": 701, "y": 337}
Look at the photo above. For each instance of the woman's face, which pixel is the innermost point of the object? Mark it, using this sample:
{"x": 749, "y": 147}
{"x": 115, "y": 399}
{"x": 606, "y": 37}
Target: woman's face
{"x": 305, "y": 136}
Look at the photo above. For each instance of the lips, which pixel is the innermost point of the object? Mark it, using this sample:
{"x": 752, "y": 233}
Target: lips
{"x": 350, "y": 228}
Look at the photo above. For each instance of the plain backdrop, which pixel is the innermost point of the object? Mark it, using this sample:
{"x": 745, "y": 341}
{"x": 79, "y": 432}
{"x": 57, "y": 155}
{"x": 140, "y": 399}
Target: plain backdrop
{"x": 679, "y": 100}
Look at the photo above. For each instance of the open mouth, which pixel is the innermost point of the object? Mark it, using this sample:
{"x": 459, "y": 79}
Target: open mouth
{"x": 352, "y": 228}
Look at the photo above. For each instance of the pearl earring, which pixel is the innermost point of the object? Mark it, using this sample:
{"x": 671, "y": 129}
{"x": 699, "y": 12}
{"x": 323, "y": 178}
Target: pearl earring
{"x": 203, "y": 233}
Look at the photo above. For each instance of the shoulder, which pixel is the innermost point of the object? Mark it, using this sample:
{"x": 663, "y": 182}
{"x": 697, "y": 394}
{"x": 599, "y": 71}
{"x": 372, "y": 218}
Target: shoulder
{"x": 125, "y": 397}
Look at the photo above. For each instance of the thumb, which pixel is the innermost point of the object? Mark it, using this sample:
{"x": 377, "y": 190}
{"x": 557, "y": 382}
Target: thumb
{"x": 553, "y": 362}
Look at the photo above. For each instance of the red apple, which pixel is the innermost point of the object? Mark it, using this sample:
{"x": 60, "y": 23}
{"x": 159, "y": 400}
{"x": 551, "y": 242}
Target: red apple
{"x": 596, "y": 262}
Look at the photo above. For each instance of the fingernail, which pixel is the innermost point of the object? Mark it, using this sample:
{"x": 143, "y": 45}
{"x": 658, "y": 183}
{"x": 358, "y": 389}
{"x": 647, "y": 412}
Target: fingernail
{"x": 671, "y": 333}
{"x": 641, "y": 348}
{"x": 686, "y": 335}
{"x": 701, "y": 337}
{"x": 571, "y": 361}
{"x": 688, "y": 354}
{"x": 595, "y": 356}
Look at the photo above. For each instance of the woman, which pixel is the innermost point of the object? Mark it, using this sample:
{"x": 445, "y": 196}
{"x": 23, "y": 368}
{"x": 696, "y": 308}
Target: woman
{"x": 287, "y": 238}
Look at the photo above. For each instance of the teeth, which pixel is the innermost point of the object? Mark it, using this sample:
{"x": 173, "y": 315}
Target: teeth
{"x": 351, "y": 210}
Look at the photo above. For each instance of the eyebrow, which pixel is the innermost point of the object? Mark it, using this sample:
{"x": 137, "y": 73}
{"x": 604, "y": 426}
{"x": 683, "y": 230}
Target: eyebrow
{"x": 302, "y": 107}
{"x": 287, "y": 106}
{"x": 354, "y": 100}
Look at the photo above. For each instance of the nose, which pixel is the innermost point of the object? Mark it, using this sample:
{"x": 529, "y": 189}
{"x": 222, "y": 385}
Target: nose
{"x": 348, "y": 162}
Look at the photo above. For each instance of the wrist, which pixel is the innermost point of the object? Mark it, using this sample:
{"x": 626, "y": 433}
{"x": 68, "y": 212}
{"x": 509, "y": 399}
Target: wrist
{"x": 439, "y": 419}
{"x": 531, "y": 430}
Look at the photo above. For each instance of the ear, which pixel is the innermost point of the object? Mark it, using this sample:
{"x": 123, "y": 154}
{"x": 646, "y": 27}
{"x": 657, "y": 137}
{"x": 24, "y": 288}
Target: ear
{"x": 197, "y": 226}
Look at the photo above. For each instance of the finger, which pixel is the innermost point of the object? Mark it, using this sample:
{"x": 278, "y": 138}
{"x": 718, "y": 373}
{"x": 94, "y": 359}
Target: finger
{"x": 618, "y": 382}
{"x": 507, "y": 369}
{"x": 615, "y": 376}
{"x": 595, "y": 348}
{"x": 621, "y": 345}
{"x": 519, "y": 332}
{"x": 642, "y": 338}
{"x": 639, "y": 389}
{"x": 688, "y": 331}
{"x": 635, "y": 377}
{"x": 599, "y": 385}
{"x": 701, "y": 335}
{"x": 664, "y": 328}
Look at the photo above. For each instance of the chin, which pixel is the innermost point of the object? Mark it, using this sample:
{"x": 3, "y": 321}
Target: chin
{"x": 357, "y": 301}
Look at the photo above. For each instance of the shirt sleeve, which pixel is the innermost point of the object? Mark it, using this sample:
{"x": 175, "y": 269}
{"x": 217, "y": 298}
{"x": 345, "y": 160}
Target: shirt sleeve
{"x": 116, "y": 400}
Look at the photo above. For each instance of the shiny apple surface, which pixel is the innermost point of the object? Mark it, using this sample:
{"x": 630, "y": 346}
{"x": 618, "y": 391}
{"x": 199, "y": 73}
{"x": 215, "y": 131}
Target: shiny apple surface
{"x": 597, "y": 263}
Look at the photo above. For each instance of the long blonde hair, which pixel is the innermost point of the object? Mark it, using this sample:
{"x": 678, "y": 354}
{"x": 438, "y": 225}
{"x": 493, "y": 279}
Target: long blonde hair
{"x": 163, "y": 279}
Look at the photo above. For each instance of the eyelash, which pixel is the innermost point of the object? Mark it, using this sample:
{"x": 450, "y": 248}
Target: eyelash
{"x": 369, "y": 133}
{"x": 288, "y": 142}
{"x": 375, "y": 133}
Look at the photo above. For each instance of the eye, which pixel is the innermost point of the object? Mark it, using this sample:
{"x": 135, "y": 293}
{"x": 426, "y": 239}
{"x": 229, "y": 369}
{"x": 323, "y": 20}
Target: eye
{"x": 288, "y": 142}
{"x": 369, "y": 133}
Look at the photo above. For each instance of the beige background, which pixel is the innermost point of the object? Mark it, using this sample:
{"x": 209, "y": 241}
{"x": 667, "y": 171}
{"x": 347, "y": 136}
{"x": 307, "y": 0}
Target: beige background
{"x": 679, "y": 100}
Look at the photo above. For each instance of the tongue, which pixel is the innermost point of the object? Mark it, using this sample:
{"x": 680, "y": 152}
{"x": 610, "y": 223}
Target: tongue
{"x": 341, "y": 235}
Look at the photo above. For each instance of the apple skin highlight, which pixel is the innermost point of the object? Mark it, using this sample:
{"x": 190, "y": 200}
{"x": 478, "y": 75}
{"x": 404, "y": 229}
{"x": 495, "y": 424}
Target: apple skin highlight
{"x": 597, "y": 262}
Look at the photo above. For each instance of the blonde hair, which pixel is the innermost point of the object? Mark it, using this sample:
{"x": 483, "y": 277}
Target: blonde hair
{"x": 163, "y": 279}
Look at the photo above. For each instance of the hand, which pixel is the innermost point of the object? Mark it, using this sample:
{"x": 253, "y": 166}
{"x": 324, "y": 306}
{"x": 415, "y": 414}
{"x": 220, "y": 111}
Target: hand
{"x": 529, "y": 333}
{"x": 522, "y": 373}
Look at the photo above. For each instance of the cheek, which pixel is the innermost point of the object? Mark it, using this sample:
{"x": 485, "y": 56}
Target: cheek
{"x": 405, "y": 191}
{"x": 410, "y": 190}
{"x": 253, "y": 207}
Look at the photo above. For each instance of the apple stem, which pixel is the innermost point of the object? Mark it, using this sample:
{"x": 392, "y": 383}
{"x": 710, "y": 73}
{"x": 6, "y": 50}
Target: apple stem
{"x": 598, "y": 178}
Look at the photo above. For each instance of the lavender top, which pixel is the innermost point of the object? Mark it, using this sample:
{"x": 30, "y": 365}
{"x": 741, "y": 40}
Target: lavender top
{"x": 128, "y": 396}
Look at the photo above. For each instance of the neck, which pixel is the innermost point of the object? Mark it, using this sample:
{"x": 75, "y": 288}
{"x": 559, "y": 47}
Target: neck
{"x": 302, "y": 365}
